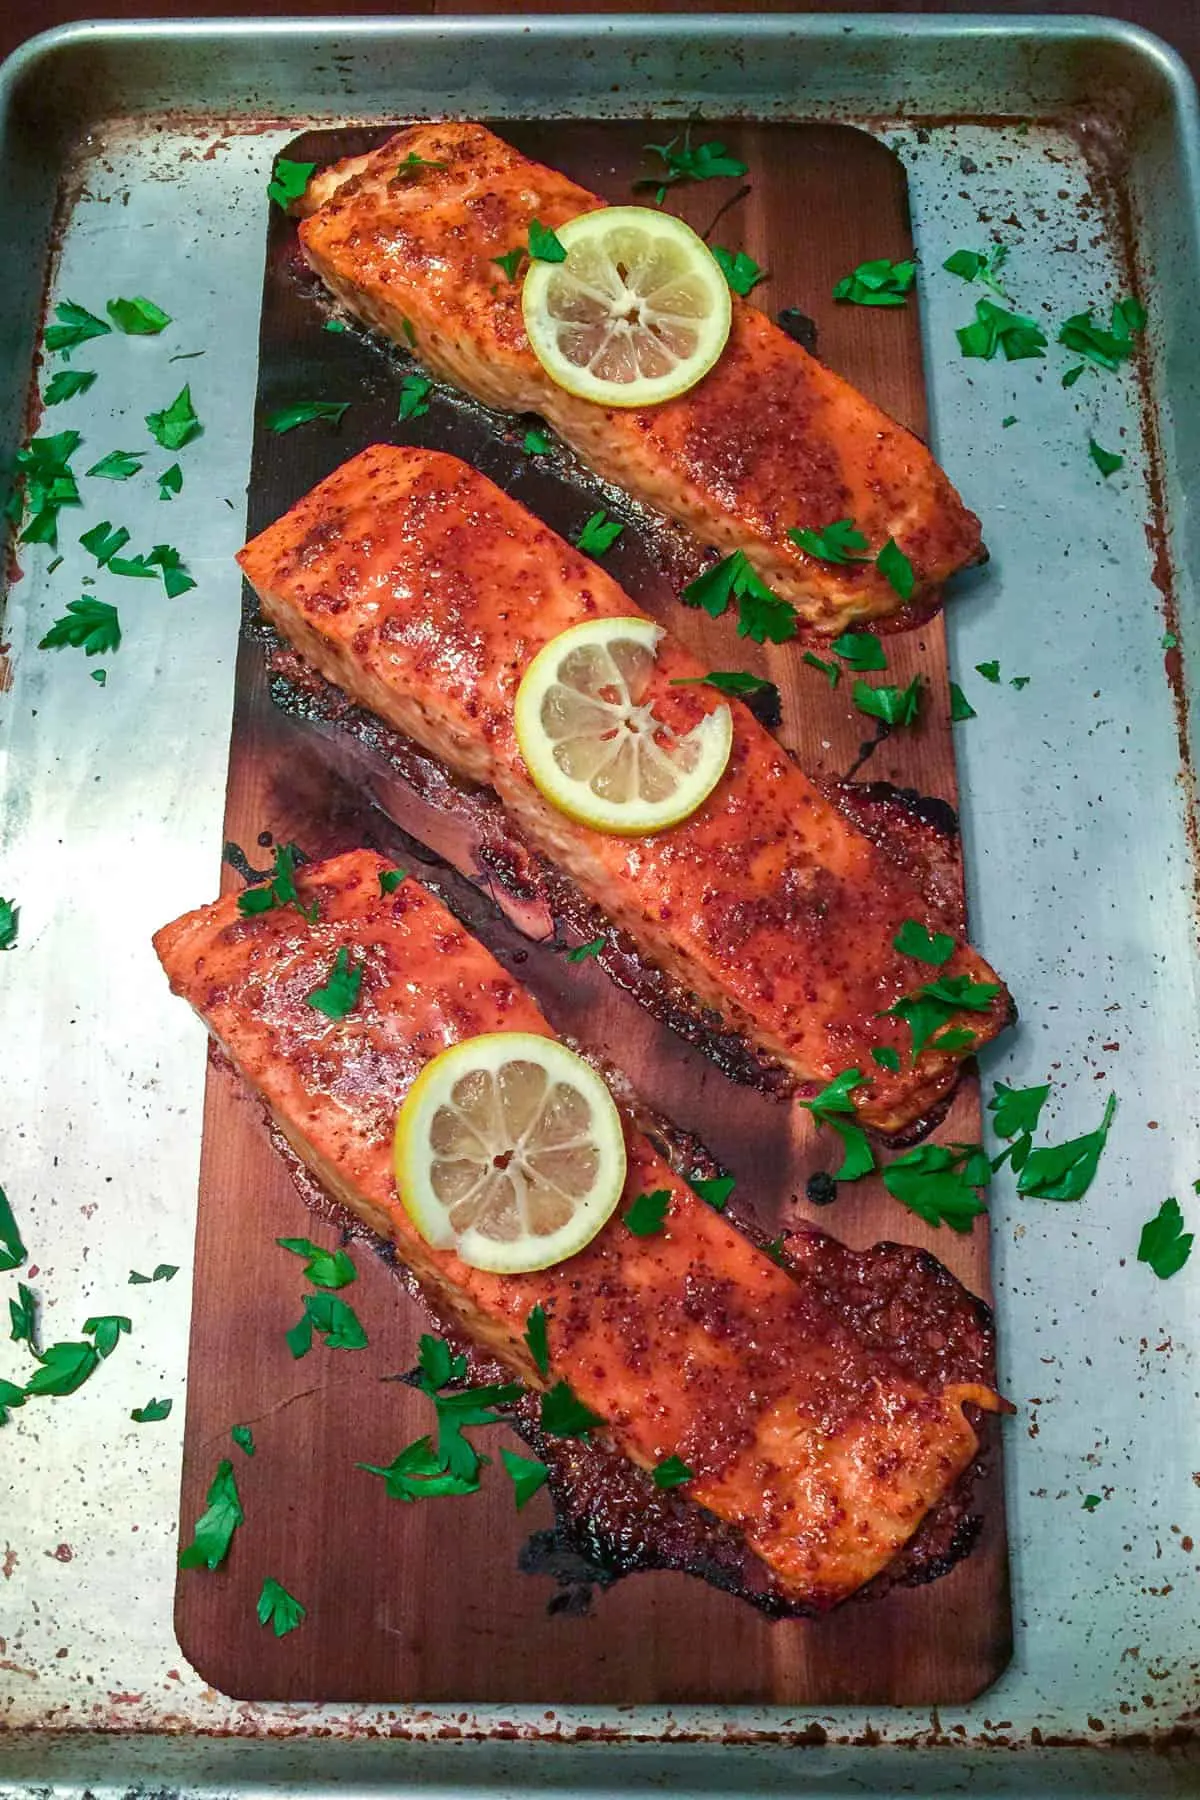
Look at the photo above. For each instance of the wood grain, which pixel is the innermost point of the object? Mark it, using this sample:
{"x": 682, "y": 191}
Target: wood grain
{"x": 426, "y": 1602}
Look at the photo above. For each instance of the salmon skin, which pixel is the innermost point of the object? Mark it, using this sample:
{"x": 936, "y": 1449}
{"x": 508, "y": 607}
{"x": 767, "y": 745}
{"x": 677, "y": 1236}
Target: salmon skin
{"x": 689, "y": 1343}
{"x": 769, "y": 440}
{"x": 411, "y": 582}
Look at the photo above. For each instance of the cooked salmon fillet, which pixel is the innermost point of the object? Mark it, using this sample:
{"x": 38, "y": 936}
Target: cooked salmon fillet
{"x": 411, "y": 582}
{"x": 769, "y": 439}
{"x": 689, "y": 1343}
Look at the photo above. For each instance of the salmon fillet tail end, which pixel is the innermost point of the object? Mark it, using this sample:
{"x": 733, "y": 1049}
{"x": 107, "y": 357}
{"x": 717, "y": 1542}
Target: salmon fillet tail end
{"x": 768, "y": 442}
{"x": 825, "y": 1450}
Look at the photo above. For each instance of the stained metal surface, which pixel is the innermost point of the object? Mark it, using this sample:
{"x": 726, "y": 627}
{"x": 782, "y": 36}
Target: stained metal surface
{"x": 1075, "y": 815}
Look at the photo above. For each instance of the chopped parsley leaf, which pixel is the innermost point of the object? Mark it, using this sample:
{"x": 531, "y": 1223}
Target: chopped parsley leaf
{"x": 989, "y": 670}
{"x": 90, "y": 625}
{"x": 163, "y": 1272}
{"x": 827, "y": 1106}
{"x": 582, "y": 952}
{"x": 527, "y": 1475}
{"x": 544, "y": 243}
{"x": 1019, "y": 682}
{"x": 913, "y": 939}
{"x": 979, "y": 265}
{"x": 1107, "y": 461}
{"x": 886, "y": 1059}
{"x": 138, "y": 317}
{"x": 10, "y": 1395}
{"x": 537, "y": 443}
{"x": 23, "y": 1314}
{"x": 334, "y": 326}
{"x": 994, "y": 329}
{"x": 63, "y": 1368}
{"x": 1164, "y": 1244}
{"x": 1168, "y": 641}
{"x": 64, "y": 384}
{"x": 338, "y": 995}
{"x": 170, "y": 482}
{"x": 565, "y": 1415}
{"x": 1016, "y": 1111}
{"x": 414, "y": 396}
{"x": 893, "y": 705}
{"x": 152, "y": 1412}
{"x": 1106, "y": 349}
{"x": 303, "y": 412}
{"x": 216, "y": 1525}
{"x": 938, "y": 1182}
{"x": 177, "y": 424}
{"x": 243, "y": 1437}
{"x": 10, "y": 914}
{"x": 879, "y": 282}
{"x": 1072, "y": 375}
{"x": 324, "y": 1268}
{"x": 75, "y": 326}
{"x": 840, "y": 542}
{"x": 896, "y": 569}
{"x": 689, "y": 162}
{"x": 419, "y": 1474}
{"x": 279, "y": 890}
{"x": 104, "y": 540}
{"x": 106, "y": 1331}
{"x": 45, "y": 484}
{"x": 599, "y": 534}
{"x": 1010, "y": 420}
{"x": 12, "y": 1250}
{"x": 830, "y": 670}
{"x": 861, "y": 649}
{"x": 738, "y": 682}
{"x": 1065, "y": 1171}
{"x": 511, "y": 261}
{"x": 762, "y": 615}
{"x": 412, "y": 165}
{"x": 1090, "y": 1502}
{"x": 332, "y": 1319}
{"x": 714, "y": 1190}
{"x": 278, "y": 1609}
{"x": 647, "y": 1213}
{"x": 536, "y": 1340}
{"x": 960, "y": 706}
{"x": 741, "y": 271}
{"x": 672, "y": 1472}
{"x": 288, "y": 181}
{"x": 931, "y": 1005}
{"x": 390, "y": 880}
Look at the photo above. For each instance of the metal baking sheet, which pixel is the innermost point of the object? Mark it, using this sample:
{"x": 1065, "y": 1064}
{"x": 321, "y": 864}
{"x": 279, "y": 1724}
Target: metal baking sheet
{"x": 136, "y": 160}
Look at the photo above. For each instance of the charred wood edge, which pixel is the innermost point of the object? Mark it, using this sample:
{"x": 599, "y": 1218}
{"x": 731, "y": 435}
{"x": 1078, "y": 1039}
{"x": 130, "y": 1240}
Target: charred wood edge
{"x": 506, "y": 863}
{"x": 610, "y": 1521}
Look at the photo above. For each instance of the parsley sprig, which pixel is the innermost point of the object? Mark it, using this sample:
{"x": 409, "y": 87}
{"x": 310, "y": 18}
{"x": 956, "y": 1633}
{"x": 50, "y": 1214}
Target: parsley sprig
{"x": 980, "y": 265}
{"x": 741, "y": 271}
{"x": 684, "y": 161}
{"x": 829, "y": 1107}
{"x": 940, "y": 1183}
{"x": 762, "y": 615}
{"x": 423, "y": 1470}
{"x": 1164, "y": 1244}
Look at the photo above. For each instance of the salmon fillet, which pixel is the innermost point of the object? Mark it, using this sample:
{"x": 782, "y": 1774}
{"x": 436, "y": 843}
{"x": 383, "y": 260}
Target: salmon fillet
{"x": 410, "y": 581}
{"x": 688, "y": 1343}
{"x": 769, "y": 439}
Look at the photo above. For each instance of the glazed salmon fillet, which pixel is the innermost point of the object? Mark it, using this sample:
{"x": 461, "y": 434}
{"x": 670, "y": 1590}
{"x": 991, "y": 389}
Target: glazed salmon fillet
{"x": 769, "y": 439}
{"x": 689, "y": 1343}
{"x": 410, "y": 581}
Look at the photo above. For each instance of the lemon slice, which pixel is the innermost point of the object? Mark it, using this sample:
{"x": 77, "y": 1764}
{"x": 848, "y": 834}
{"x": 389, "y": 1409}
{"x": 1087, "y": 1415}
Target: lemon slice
{"x": 509, "y": 1150}
{"x": 637, "y": 313}
{"x": 592, "y": 742}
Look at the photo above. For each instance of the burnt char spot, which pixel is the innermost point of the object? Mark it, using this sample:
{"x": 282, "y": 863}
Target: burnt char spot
{"x": 800, "y": 328}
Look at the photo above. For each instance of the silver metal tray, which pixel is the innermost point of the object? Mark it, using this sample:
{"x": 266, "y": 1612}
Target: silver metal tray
{"x": 135, "y": 160}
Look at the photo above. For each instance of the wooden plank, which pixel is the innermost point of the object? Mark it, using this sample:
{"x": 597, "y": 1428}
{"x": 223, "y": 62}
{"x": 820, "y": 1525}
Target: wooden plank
{"x": 426, "y": 1602}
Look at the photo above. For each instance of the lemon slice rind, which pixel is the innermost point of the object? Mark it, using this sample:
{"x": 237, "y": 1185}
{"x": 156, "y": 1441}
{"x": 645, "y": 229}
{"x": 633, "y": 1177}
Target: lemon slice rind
{"x": 685, "y": 772}
{"x": 456, "y": 1117}
{"x": 637, "y": 314}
